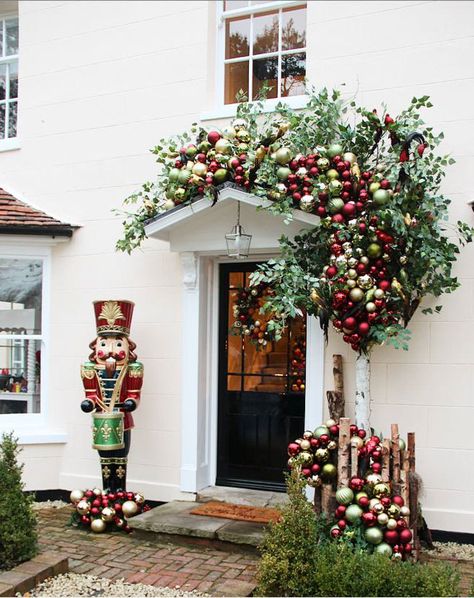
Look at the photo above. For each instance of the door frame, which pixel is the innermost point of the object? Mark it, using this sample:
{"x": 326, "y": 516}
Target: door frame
{"x": 199, "y": 378}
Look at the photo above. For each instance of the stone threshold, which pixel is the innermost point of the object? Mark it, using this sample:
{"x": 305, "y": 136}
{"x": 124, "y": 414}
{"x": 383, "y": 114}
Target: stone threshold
{"x": 25, "y": 577}
{"x": 175, "y": 519}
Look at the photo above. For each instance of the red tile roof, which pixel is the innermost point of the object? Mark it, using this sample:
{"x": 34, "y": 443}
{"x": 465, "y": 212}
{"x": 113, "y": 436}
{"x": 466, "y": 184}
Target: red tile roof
{"x": 17, "y": 217}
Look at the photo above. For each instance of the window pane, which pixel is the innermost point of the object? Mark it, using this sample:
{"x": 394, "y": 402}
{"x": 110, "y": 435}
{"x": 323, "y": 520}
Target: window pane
{"x": 2, "y": 121}
{"x": 12, "y": 117}
{"x": 236, "y": 79}
{"x": 234, "y": 4}
{"x": 20, "y": 375}
{"x": 265, "y": 73}
{"x": 3, "y": 81}
{"x": 13, "y": 75}
{"x": 265, "y": 33}
{"x": 20, "y": 296}
{"x": 293, "y": 33}
{"x": 293, "y": 73}
{"x": 12, "y": 37}
{"x": 237, "y": 37}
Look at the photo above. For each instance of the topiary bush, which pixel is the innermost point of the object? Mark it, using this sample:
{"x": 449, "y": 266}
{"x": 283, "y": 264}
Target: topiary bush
{"x": 299, "y": 560}
{"x": 18, "y": 535}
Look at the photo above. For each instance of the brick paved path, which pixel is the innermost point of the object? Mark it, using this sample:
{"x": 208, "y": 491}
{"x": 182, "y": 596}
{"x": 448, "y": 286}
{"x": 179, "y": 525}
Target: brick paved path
{"x": 203, "y": 568}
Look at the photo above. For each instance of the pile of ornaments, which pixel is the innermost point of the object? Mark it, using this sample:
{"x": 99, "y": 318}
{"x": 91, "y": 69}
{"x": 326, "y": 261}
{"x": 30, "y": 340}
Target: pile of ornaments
{"x": 246, "y": 311}
{"x": 100, "y": 510}
{"x": 316, "y": 454}
{"x": 218, "y": 157}
{"x": 381, "y": 517}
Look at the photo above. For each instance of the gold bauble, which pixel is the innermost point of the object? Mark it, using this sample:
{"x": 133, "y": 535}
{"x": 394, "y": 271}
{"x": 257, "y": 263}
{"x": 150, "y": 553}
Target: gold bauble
{"x": 322, "y": 455}
{"x": 357, "y": 295}
{"x": 378, "y": 508}
{"x": 330, "y": 423}
{"x": 97, "y": 491}
{"x": 83, "y": 507}
{"x": 341, "y": 261}
{"x": 379, "y": 294}
{"x": 239, "y": 123}
{"x": 349, "y": 157}
{"x": 129, "y": 508}
{"x": 365, "y": 281}
{"x": 169, "y": 204}
{"x": 404, "y": 511}
{"x": 243, "y": 136}
{"x": 373, "y": 478}
{"x": 223, "y": 146}
{"x": 352, "y": 262}
{"x": 332, "y": 445}
{"x": 200, "y": 169}
{"x": 392, "y": 524}
{"x": 351, "y": 284}
{"x": 107, "y": 514}
{"x": 228, "y": 132}
{"x": 370, "y": 307}
{"x": 76, "y": 496}
{"x": 373, "y": 502}
{"x": 381, "y": 490}
{"x": 305, "y": 457}
{"x": 305, "y": 445}
{"x": 383, "y": 518}
{"x": 357, "y": 441}
{"x": 98, "y": 526}
{"x": 364, "y": 260}
{"x": 352, "y": 274}
{"x": 307, "y": 435}
{"x": 394, "y": 511}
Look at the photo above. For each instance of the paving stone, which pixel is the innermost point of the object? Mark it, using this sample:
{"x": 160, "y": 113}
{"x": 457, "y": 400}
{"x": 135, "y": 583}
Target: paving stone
{"x": 234, "y": 587}
{"x": 6, "y": 589}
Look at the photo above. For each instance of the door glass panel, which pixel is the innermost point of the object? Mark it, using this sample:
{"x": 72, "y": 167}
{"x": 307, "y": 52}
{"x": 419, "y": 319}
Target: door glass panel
{"x": 255, "y": 362}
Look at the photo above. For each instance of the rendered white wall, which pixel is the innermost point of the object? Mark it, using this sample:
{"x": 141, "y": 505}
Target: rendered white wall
{"x": 100, "y": 83}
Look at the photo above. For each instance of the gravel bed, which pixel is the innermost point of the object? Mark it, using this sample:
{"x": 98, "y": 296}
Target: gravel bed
{"x": 73, "y": 584}
{"x": 453, "y": 550}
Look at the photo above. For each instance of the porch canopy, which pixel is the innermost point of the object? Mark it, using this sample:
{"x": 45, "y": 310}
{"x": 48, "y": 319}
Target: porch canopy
{"x": 197, "y": 232}
{"x": 201, "y": 226}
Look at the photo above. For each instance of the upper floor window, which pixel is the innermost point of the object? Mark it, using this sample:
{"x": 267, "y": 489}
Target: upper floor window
{"x": 264, "y": 46}
{"x": 8, "y": 77}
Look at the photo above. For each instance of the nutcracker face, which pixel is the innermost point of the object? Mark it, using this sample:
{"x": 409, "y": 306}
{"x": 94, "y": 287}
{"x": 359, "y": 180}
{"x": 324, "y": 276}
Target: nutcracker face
{"x": 108, "y": 348}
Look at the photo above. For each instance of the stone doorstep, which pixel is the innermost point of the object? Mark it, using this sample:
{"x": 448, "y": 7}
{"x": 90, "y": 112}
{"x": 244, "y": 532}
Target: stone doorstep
{"x": 174, "y": 518}
{"x": 26, "y": 576}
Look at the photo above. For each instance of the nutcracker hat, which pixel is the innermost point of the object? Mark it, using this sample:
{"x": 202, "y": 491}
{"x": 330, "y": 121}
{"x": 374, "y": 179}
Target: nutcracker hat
{"x": 113, "y": 317}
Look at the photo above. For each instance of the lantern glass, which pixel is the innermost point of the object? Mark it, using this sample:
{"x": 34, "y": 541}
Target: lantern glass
{"x": 238, "y": 242}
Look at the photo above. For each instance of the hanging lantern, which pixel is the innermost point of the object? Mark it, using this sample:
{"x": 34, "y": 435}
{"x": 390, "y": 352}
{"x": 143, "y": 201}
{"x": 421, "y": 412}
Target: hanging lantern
{"x": 238, "y": 241}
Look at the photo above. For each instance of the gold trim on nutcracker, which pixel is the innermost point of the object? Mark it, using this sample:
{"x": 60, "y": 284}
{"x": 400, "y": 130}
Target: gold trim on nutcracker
{"x": 106, "y": 471}
{"x": 87, "y": 371}
{"x": 135, "y": 370}
{"x": 112, "y": 328}
{"x": 111, "y": 312}
{"x": 120, "y": 472}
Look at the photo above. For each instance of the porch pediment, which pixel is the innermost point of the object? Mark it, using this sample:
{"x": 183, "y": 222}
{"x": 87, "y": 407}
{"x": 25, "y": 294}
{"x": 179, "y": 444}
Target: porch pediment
{"x": 202, "y": 226}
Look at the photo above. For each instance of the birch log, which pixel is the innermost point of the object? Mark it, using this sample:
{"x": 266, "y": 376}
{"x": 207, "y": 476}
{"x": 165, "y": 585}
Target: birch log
{"x": 344, "y": 453}
{"x": 362, "y": 398}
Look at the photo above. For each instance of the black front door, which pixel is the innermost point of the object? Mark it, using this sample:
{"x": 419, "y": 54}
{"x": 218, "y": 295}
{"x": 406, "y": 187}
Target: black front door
{"x": 261, "y": 393}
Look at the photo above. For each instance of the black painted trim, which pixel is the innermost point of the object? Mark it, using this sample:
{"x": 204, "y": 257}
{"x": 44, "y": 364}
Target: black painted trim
{"x": 458, "y": 537}
{"x": 40, "y": 231}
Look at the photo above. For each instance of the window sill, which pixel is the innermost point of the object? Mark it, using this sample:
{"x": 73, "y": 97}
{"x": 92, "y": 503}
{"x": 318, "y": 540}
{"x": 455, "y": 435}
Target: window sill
{"x": 7, "y": 145}
{"x": 229, "y": 110}
{"x": 26, "y": 438}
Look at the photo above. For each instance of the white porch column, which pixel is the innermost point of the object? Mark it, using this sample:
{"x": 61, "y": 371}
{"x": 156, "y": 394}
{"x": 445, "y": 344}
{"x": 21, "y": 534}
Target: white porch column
{"x": 190, "y": 372}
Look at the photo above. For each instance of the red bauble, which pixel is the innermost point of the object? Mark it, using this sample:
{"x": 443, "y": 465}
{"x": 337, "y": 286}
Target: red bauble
{"x": 306, "y": 472}
{"x": 340, "y": 511}
{"x": 385, "y": 500}
{"x": 324, "y": 438}
{"x": 361, "y": 433}
{"x": 364, "y": 502}
{"x": 405, "y": 536}
{"x": 213, "y": 137}
{"x": 364, "y": 328}
{"x": 391, "y": 536}
{"x": 349, "y": 209}
{"x": 362, "y": 228}
{"x": 111, "y": 496}
{"x": 353, "y": 429}
{"x": 336, "y": 248}
{"x": 120, "y": 494}
{"x": 350, "y": 323}
{"x": 117, "y": 507}
{"x": 105, "y": 503}
{"x": 401, "y": 524}
{"x": 293, "y": 449}
{"x": 408, "y": 548}
{"x": 85, "y": 520}
{"x": 376, "y": 454}
{"x": 89, "y": 494}
{"x": 96, "y": 502}
{"x": 338, "y": 218}
{"x": 398, "y": 500}
{"x": 375, "y": 439}
{"x": 95, "y": 511}
{"x": 376, "y": 467}
{"x": 369, "y": 518}
{"x": 384, "y": 285}
{"x": 336, "y": 533}
{"x": 314, "y": 442}
{"x": 334, "y": 430}
{"x": 321, "y": 211}
{"x": 331, "y": 272}
{"x": 342, "y": 524}
{"x": 315, "y": 468}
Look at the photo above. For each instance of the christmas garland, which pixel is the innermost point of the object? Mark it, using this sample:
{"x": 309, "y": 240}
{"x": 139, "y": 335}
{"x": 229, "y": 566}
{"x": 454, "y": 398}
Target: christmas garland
{"x": 369, "y": 513}
{"x": 100, "y": 511}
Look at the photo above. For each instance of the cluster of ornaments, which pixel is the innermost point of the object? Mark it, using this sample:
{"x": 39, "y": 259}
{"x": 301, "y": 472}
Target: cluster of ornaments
{"x": 327, "y": 182}
{"x": 248, "y": 321}
{"x": 218, "y": 157}
{"x": 381, "y": 517}
{"x": 100, "y": 510}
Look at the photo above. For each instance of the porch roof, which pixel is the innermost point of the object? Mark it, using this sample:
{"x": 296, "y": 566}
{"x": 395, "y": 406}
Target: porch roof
{"x": 201, "y": 226}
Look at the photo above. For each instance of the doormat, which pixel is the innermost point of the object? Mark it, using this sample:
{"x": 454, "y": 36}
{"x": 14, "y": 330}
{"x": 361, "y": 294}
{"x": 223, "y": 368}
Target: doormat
{"x": 226, "y": 510}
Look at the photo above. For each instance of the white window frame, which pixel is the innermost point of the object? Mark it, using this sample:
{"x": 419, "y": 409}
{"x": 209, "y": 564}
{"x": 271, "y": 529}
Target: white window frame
{"x": 9, "y": 143}
{"x": 227, "y": 110}
{"x": 33, "y": 428}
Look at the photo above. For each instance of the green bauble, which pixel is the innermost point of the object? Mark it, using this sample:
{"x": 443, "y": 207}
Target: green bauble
{"x": 283, "y": 155}
{"x": 373, "y": 535}
{"x": 335, "y": 205}
{"x": 174, "y": 175}
{"x": 335, "y": 187}
{"x": 220, "y": 176}
{"x": 402, "y": 444}
{"x": 374, "y": 250}
{"x": 384, "y": 548}
{"x": 320, "y": 430}
{"x": 335, "y": 149}
{"x": 184, "y": 176}
{"x": 353, "y": 513}
{"x": 344, "y": 496}
{"x": 381, "y": 197}
{"x": 283, "y": 173}
{"x": 329, "y": 471}
{"x": 332, "y": 174}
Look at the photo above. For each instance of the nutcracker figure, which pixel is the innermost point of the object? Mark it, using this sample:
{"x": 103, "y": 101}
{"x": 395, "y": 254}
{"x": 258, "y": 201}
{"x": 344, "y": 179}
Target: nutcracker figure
{"x": 112, "y": 380}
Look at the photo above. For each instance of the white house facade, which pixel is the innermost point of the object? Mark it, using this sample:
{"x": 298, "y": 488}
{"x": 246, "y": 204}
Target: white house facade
{"x": 87, "y": 89}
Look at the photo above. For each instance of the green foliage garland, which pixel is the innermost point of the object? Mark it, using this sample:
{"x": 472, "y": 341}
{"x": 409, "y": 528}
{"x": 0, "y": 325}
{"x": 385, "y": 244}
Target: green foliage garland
{"x": 383, "y": 241}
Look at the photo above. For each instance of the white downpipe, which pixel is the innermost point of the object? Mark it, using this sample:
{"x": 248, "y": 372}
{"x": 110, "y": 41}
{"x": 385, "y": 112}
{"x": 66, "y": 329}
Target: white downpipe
{"x": 362, "y": 398}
